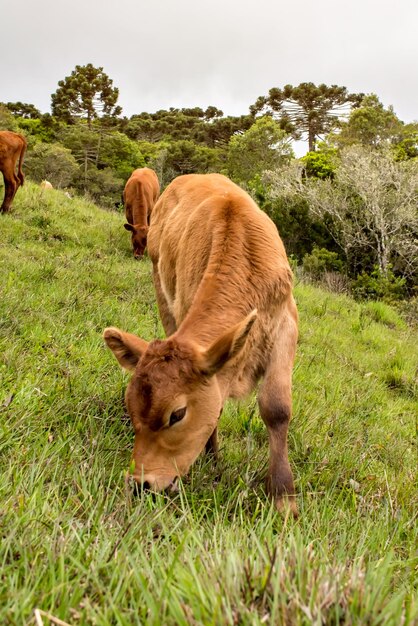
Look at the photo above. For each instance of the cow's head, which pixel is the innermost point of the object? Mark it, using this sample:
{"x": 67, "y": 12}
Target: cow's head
{"x": 139, "y": 238}
{"x": 173, "y": 398}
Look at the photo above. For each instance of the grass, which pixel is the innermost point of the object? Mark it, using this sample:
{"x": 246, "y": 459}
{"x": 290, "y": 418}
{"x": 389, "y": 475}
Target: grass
{"x": 76, "y": 545}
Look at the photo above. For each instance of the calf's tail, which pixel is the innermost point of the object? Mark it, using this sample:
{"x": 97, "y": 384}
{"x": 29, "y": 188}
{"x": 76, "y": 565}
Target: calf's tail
{"x": 20, "y": 173}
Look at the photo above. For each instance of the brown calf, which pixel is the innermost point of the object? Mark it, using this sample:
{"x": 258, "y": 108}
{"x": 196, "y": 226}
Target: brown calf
{"x": 12, "y": 148}
{"x": 224, "y": 291}
{"x": 140, "y": 194}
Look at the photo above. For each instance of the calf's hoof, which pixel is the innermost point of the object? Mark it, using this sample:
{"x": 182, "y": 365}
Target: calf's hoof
{"x": 287, "y": 505}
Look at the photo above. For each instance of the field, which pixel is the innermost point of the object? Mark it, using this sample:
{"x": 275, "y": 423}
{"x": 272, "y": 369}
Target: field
{"x": 75, "y": 544}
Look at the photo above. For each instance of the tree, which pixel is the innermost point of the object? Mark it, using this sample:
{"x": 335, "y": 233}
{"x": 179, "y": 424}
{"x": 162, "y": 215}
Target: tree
{"x": 407, "y": 146}
{"x": 84, "y": 145}
{"x": 103, "y": 186}
{"x": 174, "y": 124}
{"x": 22, "y": 109}
{"x": 369, "y": 207}
{"x": 119, "y": 153}
{"x": 7, "y": 121}
{"x": 98, "y": 149}
{"x": 264, "y": 146}
{"x": 370, "y": 125}
{"x": 320, "y": 164}
{"x": 45, "y": 128}
{"x": 219, "y": 131}
{"x": 307, "y": 110}
{"x": 174, "y": 158}
{"x": 87, "y": 93}
{"x": 52, "y": 162}
{"x": 206, "y": 127}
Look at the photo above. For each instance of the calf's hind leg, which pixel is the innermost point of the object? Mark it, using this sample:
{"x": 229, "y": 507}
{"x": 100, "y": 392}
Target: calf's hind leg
{"x": 275, "y": 403}
{"x": 10, "y": 188}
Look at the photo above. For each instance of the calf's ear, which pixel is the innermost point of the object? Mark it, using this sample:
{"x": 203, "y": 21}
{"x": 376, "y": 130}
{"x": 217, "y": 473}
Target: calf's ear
{"x": 127, "y": 348}
{"x": 227, "y": 346}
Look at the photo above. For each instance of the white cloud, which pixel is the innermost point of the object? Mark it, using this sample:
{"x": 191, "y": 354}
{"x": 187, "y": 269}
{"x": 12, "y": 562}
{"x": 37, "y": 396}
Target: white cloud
{"x": 224, "y": 53}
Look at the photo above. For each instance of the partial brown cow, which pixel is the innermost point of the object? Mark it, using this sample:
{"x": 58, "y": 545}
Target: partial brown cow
{"x": 224, "y": 291}
{"x": 140, "y": 194}
{"x": 12, "y": 149}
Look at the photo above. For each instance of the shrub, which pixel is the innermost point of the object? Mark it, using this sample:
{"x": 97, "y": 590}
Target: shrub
{"x": 120, "y": 154}
{"x": 264, "y": 146}
{"x": 319, "y": 164}
{"x": 320, "y": 261}
{"x": 51, "y": 162}
{"x": 7, "y": 121}
{"x": 379, "y": 286}
{"x": 103, "y": 187}
{"x": 298, "y": 229}
{"x": 45, "y": 128}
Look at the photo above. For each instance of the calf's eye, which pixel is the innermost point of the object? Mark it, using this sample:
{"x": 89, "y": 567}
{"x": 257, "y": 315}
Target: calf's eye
{"x": 178, "y": 415}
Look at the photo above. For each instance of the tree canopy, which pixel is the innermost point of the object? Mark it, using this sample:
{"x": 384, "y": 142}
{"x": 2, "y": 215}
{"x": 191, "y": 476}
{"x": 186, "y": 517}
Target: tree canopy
{"x": 264, "y": 146}
{"x": 307, "y": 110}
{"x": 353, "y": 196}
{"x": 207, "y": 127}
{"x": 22, "y": 109}
{"x": 372, "y": 125}
{"x": 87, "y": 93}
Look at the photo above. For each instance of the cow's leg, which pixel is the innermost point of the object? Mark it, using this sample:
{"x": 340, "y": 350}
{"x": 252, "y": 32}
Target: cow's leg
{"x": 275, "y": 402}
{"x": 10, "y": 188}
{"x": 167, "y": 318}
{"x": 128, "y": 214}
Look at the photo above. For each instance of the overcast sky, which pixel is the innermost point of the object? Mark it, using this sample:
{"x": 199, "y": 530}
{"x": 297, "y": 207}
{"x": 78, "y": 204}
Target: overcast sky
{"x": 226, "y": 53}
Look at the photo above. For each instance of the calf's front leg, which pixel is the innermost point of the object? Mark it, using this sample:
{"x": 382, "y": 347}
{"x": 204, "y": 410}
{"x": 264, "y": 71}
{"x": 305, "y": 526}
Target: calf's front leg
{"x": 275, "y": 403}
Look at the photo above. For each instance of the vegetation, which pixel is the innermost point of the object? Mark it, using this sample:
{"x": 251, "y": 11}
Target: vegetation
{"x": 307, "y": 110}
{"x": 79, "y": 547}
{"x": 369, "y": 207}
{"x": 52, "y": 162}
{"x": 354, "y": 194}
{"x": 87, "y": 93}
{"x": 264, "y": 146}
{"x": 374, "y": 126}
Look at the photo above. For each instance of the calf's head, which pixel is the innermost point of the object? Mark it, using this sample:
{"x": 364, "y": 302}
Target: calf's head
{"x": 173, "y": 398}
{"x": 139, "y": 238}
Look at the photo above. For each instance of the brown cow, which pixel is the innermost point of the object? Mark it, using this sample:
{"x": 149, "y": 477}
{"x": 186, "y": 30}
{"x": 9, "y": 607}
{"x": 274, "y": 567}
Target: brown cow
{"x": 139, "y": 196}
{"x": 224, "y": 291}
{"x": 12, "y": 148}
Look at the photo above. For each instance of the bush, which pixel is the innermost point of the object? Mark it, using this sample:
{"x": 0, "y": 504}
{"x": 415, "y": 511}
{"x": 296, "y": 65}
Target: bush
{"x": 298, "y": 229}
{"x": 7, "y": 121}
{"x": 103, "y": 187}
{"x": 379, "y": 286}
{"x": 44, "y": 129}
{"x": 51, "y": 162}
{"x": 320, "y": 261}
{"x": 120, "y": 154}
{"x": 264, "y": 146}
{"x": 174, "y": 158}
{"x": 319, "y": 164}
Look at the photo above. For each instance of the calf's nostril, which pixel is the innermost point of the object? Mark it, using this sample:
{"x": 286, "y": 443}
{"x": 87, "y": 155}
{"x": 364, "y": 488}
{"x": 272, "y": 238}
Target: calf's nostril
{"x": 138, "y": 488}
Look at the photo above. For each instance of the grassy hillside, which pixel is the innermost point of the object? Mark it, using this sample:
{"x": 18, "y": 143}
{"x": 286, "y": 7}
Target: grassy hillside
{"x": 76, "y": 545}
